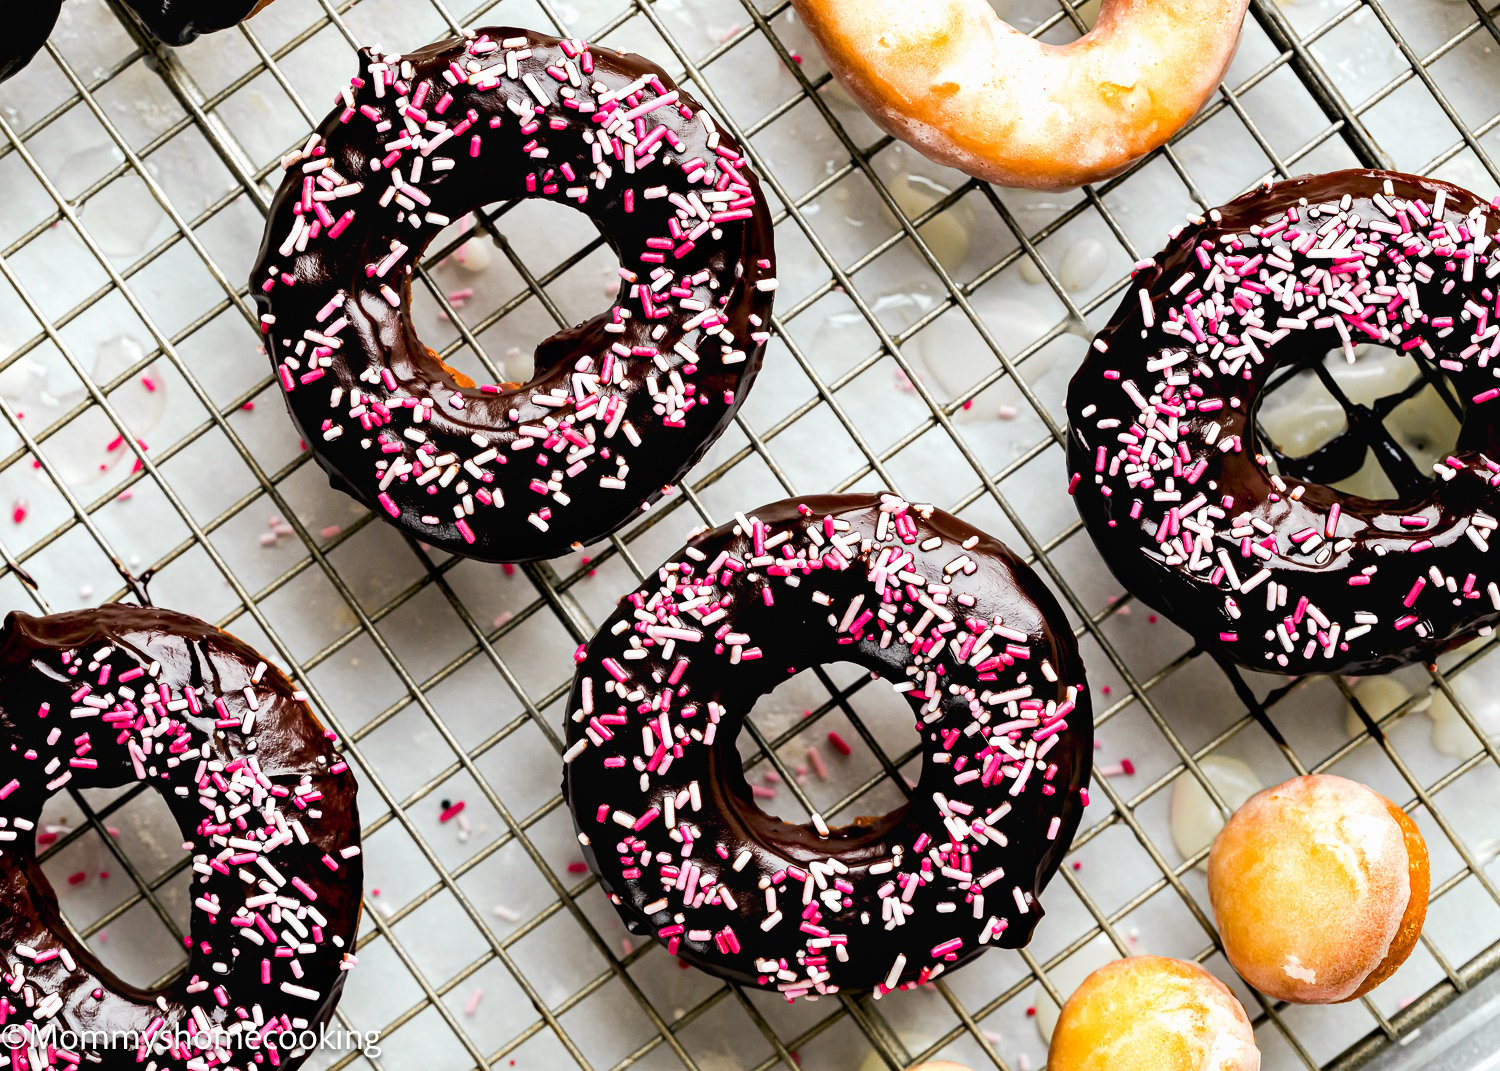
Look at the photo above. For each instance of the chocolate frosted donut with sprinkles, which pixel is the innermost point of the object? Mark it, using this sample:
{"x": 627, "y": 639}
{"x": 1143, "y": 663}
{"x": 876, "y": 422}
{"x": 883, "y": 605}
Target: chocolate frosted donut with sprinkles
{"x": 127, "y": 695}
{"x": 1267, "y": 569}
{"x": 620, "y": 406}
{"x": 962, "y": 629}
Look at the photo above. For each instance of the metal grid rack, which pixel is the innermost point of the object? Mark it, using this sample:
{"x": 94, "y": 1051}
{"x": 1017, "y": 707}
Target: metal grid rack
{"x": 925, "y": 330}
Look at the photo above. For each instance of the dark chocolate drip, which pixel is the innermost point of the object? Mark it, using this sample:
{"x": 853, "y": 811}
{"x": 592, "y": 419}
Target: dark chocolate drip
{"x": 294, "y": 755}
{"x": 1385, "y": 571}
{"x": 576, "y": 460}
{"x": 1344, "y": 455}
{"x": 805, "y": 625}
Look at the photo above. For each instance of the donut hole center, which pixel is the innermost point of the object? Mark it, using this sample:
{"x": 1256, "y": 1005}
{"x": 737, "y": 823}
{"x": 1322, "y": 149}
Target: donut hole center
{"x": 844, "y": 749}
{"x": 101, "y": 899}
{"x": 1323, "y": 423}
{"x": 475, "y": 293}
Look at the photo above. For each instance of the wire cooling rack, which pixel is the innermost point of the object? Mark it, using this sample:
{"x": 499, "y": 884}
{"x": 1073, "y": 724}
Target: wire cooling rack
{"x": 925, "y": 332}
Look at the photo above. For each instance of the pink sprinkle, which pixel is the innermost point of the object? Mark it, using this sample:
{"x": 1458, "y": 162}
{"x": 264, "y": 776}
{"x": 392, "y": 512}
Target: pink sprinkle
{"x": 839, "y": 744}
{"x": 472, "y": 1005}
{"x": 451, "y": 811}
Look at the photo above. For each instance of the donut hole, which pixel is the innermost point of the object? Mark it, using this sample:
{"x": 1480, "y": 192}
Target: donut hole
{"x": 101, "y": 899}
{"x": 811, "y": 726}
{"x": 476, "y": 290}
{"x": 1030, "y": 15}
{"x": 1303, "y": 427}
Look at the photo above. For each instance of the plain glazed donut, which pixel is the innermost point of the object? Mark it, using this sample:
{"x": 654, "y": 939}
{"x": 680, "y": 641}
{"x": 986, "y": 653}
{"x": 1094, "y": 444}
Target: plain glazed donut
{"x": 1280, "y": 572}
{"x": 964, "y": 631}
{"x": 265, "y": 803}
{"x": 619, "y": 407}
{"x": 961, "y": 86}
{"x": 1149, "y": 1013}
{"x": 1319, "y": 888}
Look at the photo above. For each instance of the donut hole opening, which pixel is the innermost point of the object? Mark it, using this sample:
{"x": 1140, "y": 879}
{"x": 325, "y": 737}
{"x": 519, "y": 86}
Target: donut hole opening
{"x": 100, "y": 897}
{"x": 474, "y": 292}
{"x": 1030, "y": 15}
{"x": 1302, "y": 419}
{"x": 857, "y": 781}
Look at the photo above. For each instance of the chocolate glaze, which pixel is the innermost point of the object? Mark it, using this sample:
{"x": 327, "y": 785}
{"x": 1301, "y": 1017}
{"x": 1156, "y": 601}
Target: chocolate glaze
{"x": 177, "y": 22}
{"x": 291, "y": 749}
{"x": 758, "y": 647}
{"x": 1387, "y": 563}
{"x": 656, "y": 340}
{"x": 30, "y": 26}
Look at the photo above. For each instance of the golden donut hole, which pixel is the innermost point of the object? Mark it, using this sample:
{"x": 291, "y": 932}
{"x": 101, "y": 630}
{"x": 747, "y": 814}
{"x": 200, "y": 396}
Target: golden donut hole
{"x": 1319, "y": 888}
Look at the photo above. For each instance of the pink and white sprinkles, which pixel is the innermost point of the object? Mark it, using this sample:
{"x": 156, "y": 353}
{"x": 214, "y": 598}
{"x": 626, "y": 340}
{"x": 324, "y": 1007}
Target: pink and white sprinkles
{"x": 962, "y": 630}
{"x": 275, "y": 900}
{"x": 499, "y": 471}
{"x": 1271, "y": 571}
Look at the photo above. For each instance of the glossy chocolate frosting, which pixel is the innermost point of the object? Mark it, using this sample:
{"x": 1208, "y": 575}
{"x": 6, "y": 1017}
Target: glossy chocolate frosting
{"x": 620, "y": 406}
{"x": 30, "y": 26}
{"x": 177, "y": 22}
{"x": 1274, "y": 571}
{"x": 99, "y": 699}
{"x": 971, "y": 637}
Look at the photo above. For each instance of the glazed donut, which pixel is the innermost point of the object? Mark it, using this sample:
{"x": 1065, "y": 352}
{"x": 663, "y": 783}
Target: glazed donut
{"x": 122, "y": 694}
{"x": 962, "y": 87}
{"x": 178, "y": 22}
{"x": 620, "y": 406}
{"x": 1319, "y": 888}
{"x": 1276, "y": 572}
{"x": 31, "y": 25}
{"x": 958, "y": 624}
{"x": 1147, "y": 1013}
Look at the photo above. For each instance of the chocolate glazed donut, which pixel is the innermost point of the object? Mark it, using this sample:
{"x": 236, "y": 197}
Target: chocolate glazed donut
{"x": 1271, "y": 570}
{"x": 961, "y": 627}
{"x": 102, "y": 698}
{"x": 177, "y": 22}
{"x": 620, "y": 406}
{"x": 30, "y": 26}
